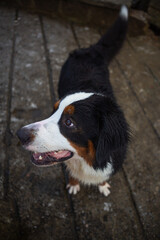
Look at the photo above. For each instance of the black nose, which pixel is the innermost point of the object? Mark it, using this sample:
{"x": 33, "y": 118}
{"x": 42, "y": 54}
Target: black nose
{"x": 25, "y": 135}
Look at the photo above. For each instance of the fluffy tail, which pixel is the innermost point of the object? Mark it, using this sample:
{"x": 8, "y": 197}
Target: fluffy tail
{"x": 112, "y": 41}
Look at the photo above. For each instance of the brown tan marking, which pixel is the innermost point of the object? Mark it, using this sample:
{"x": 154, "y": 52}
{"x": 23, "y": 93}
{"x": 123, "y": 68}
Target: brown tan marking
{"x": 56, "y": 105}
{"x": 31, "y": 135}
{"x": 88, "y": 153}
{"x": 69, "y": 109}
{"x": 73, "y": 181}
{"x": 102, "y": 184}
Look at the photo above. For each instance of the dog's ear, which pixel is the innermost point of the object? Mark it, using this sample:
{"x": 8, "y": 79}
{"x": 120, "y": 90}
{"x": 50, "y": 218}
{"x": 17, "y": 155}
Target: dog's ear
{"x": 113, "y": 131}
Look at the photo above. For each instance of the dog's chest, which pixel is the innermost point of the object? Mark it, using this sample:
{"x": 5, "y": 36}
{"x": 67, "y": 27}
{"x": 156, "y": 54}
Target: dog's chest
{"x": 80, "y": 170}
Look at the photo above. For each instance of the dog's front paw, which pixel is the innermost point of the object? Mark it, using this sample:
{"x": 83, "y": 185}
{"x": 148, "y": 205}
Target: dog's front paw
{"x": 73, "y": 189}
{"x": 104, "y": 189}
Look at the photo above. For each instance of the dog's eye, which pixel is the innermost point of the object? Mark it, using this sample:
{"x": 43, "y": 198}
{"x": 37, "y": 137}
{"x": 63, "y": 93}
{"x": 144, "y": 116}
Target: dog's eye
{"x": 69, "y": 123}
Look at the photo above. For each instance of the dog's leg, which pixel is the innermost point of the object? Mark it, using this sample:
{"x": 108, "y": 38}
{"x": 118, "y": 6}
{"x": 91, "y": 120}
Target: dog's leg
{"x": 73, "y": 186}
{"x": 104, "y": 188}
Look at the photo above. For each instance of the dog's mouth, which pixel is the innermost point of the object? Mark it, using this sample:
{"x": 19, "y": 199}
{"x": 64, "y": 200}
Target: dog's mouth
{"x": 50, "y": 158}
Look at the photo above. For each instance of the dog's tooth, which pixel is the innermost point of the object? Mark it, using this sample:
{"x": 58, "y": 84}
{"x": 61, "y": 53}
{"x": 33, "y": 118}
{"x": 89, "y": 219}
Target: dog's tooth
{"x": 55, "y": 152}
{"x": 40, "y": 157}
{"x": 60, "y": 151}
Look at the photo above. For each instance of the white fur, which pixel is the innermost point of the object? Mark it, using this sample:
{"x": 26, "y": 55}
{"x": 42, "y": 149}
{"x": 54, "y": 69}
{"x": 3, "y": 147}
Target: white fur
{"x": 48, "y": 138}
{"x": 104, "y": 189}
{"x": 80, "y": 170}
{"x": 73, "y": 189}
{"x": 124, "y": 12}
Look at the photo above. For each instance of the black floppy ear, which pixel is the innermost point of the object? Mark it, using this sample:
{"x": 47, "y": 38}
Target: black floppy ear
{"x": 114, "y": 132}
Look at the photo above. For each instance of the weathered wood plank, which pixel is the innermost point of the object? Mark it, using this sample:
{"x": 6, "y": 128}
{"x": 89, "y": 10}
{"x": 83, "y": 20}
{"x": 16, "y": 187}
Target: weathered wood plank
{"x": 6, "y": 37}
{"x": 147, "y": 48}
{"x": 143, "y": 84}
{"x": 60, "y": 42}
{"x": 38, "y": 192}
{"x": 144, "y": 152}
{"x": 141, "y": 166}
{"x": 8, "y": 221}
{"x": 116, "y": 214}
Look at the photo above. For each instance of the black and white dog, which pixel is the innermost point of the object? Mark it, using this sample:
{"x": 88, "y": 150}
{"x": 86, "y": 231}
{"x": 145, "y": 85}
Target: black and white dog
{"x": 87, "y": 129}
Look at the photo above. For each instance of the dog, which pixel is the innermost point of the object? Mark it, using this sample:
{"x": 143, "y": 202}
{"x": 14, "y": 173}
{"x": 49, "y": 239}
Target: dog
{"x": 87, "y": 130}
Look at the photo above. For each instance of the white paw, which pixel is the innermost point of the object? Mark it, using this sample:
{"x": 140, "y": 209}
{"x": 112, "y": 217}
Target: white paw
{"x": 104, "y": 189}
{"x": 73, "y": 189}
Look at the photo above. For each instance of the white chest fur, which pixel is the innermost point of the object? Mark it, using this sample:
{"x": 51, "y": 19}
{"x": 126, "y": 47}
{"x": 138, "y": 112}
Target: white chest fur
{"x": 80, "y": 170}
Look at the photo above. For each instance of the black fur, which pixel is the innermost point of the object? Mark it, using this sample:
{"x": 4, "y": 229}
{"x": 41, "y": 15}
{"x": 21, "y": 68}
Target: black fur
{"x": 99, "y": 116}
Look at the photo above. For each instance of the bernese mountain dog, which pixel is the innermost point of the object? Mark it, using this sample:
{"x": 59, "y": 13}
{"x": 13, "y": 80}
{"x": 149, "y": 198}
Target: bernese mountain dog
{"x": 87, "y": 130}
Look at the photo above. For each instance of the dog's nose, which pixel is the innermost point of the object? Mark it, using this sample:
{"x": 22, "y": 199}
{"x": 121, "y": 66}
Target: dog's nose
{"x": 25, "y": 135}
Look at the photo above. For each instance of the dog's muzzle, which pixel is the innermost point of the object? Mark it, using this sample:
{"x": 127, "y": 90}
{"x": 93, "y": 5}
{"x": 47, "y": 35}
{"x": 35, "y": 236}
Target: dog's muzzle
{"x": 26, "y": 135}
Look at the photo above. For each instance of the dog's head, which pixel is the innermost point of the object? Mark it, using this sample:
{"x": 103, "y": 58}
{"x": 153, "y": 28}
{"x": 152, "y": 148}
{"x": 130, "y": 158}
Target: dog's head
{"x": 86, "y": 125}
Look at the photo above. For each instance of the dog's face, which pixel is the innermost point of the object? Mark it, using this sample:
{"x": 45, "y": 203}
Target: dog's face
{"x": 62, "y": 135}
{"x": 80, "y": 126}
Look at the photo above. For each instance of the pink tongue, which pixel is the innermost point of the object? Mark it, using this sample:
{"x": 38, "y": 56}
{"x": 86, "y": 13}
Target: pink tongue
{"x": 57, "y": 155}
{"x": 60, "y": 154}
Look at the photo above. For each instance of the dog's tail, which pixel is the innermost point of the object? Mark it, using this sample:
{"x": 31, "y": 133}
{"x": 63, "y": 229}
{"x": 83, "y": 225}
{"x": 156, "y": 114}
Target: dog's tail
{"x": 112, "y": 41}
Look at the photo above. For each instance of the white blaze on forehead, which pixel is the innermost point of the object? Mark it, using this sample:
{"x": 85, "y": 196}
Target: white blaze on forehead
{"x": 67, "y": 101}
{"x": 64, "y": 103}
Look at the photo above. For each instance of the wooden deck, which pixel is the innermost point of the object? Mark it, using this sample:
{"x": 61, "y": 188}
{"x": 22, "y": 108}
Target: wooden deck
{"x": 34, "y": 203}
